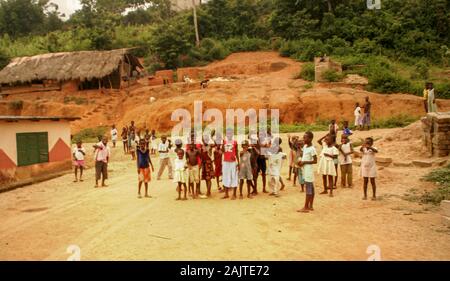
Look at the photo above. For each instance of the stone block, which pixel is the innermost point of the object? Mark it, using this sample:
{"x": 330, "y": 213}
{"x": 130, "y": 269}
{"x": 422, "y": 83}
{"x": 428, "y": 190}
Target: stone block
{"x": 403, "y": 164}
{"x": 423, "y": 163}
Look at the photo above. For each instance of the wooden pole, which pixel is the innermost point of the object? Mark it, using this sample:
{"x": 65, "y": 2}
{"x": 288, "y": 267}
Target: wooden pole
{"x": 197, "y": 36}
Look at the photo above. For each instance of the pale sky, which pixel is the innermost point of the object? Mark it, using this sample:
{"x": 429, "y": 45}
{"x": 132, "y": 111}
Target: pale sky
{"x": 67, "y": 6}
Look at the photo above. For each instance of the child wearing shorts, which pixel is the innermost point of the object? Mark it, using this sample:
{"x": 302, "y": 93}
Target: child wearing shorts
{"x": 143, "y": 167}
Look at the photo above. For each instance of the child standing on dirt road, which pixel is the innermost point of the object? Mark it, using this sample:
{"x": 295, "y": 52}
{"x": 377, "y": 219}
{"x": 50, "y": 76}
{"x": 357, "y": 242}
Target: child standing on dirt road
{"x": 180, "y": 176}
{"x": 369, "y": 167}
{"x": 230, "y": 164}
{"x": 346, "y": 151}
{"x": 309, "y": 158}
{"x": 143, "y": 167}
{"x": 78, "y": 156}
{"x": 102, "y": 154}
{"x": 164, "y": 159}
{"x": 245, "y": 171}
{"x": 114, "y": 135}
{"x": 276, "y": 157}
{"x": 124, "y": 136}
{"x": 326, "y": 164}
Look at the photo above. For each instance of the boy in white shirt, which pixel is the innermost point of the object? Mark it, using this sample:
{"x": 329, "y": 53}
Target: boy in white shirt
{"x": 309, "y": 158}
{"x": 78, "y": 160}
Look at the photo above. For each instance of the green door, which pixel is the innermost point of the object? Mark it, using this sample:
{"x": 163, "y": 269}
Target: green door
{"x": 32, "y": 148}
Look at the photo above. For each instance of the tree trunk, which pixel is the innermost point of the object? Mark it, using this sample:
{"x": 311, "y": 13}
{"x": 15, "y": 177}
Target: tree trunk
{"x": 330, "y": 8}
{"x": 197, "y": 36}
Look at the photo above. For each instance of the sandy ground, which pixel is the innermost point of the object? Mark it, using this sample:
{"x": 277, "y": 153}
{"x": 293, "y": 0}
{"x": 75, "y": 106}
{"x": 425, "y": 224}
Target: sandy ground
{"x": 39, "y": 222}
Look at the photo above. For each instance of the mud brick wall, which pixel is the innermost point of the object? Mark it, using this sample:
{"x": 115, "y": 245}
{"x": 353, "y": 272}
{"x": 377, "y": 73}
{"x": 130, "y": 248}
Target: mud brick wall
{"x": 436, "y": 133}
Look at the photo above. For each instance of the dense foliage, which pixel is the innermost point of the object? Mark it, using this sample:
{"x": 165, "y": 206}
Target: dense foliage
{"x": 397, "y": 47}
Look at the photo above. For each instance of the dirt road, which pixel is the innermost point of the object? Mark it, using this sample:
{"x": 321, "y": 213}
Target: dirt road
{"x": 39, "y": 222}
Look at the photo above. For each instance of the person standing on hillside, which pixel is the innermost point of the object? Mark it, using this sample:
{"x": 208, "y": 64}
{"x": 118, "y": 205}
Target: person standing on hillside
{"x": 102, "y": 154}
{"x": 425, "y": 97}
{"x": 358, "y": 119}
{"x": 114, "y": 135}
{"x": 431, "y": 101}
{"x": 366, "y": 118}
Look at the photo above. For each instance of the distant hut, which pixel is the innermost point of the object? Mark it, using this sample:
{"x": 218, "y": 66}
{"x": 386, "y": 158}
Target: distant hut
{"x": 70, "y": 71}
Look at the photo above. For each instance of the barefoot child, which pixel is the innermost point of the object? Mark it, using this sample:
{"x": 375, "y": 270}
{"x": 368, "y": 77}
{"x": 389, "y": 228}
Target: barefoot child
{"x": 358, "y": 118}
{"x": 276, "y": 157}
{"x": 298, "y": 172}
{"x": 309, "y": 158}
{"x": 326, "y": 163}
{"x": 208, "y": 172}
{"x": 124, "y": 136}
{"x": 78, "y": 157}
{"x": 114, "y": 135}
{"x": 153, "y": 140}
{"x": 192, "y": 156}
{"x": 218, "y": 160}
{"x": 369, "y": 167}
{"x": 346, "y": 151}
{"x": 230, "y": 164}
{"x": 164, "y": 158}
{"x": 292, "y": 151}
{"x": 180, "y": 176}
{"x": 143, "y": 164}
{"x": 101, "y": 157}
{"x": 245, "y": 170}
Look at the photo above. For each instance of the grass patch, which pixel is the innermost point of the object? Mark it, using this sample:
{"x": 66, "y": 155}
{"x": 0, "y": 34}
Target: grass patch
{"x": 442, "y": 178}
{"x": 307, "y": 73}
{"x": 90, "y": 135}
{"x": 398, "y": 121}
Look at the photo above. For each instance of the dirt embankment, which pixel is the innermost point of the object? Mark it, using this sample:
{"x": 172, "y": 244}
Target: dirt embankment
{"x": 260, "y": 80}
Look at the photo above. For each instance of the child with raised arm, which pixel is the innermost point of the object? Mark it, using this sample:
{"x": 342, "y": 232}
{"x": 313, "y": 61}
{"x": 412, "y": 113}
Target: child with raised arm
{"x": 78, "y": 157}
{"x": 180, "y": 176}
{"x": 143, "y": 164}
{"x": 245, "y": 171}
{"x": 309, "y": 158}
{"x": 369, "y": 167}
{"x": 326, "y": 163}
{"x": 346, "y": 151}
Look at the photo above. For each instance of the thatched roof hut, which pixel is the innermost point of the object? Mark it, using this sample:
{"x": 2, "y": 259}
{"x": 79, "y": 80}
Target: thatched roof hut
{"x": 80, "y": 66}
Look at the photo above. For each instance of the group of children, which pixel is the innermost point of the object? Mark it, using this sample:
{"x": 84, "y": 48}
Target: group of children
{"x": 261, "y": 155}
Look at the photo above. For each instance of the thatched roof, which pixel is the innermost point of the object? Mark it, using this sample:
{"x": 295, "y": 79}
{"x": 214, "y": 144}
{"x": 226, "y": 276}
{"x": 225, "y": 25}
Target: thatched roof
{"x": 83, "y": 65}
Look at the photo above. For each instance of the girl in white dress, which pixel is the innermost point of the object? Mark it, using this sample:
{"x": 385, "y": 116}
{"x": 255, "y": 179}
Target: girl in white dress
{"x": 326, "y": 166}
{"x": 180, "y": 175}
{"x": 357, "y": 113}
{"x": 369, "y": 167}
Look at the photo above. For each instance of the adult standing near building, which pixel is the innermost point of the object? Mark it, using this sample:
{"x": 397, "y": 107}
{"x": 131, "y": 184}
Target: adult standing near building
{"x": 102, "y": 154}
{"x": 366, "y": 118}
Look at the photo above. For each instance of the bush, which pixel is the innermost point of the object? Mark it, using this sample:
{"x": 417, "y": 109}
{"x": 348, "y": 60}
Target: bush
{"x": 308, "y": 72}
{"x": 421, "y": 71}
{"x": 90, "y": 134}
{"x": 303, "y": 50}
{"x": 332, "y": 75}
{"x": 246, "y": 44}
{"x": 398, "y": 121}
{"x": 442, "y": 192}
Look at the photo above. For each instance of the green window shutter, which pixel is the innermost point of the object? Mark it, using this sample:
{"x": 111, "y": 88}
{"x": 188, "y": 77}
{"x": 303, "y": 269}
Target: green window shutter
{"x": 32, "y": 148}
{"x": 22, "y": 157}
{"x": 43, "y": 147}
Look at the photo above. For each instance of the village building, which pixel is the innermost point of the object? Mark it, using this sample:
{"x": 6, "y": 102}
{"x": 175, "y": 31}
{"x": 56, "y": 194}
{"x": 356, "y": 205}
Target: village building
{"x": 70, "y": 71}
{"x": 34, "y": 146}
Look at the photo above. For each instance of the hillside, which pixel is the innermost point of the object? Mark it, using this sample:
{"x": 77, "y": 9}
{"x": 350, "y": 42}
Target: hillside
{"x": 257, "y": 80}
